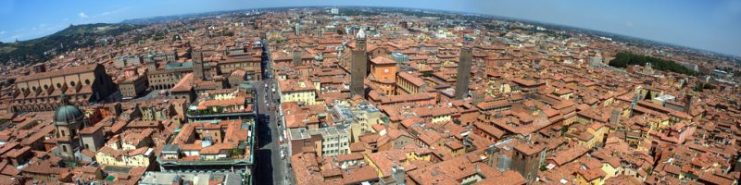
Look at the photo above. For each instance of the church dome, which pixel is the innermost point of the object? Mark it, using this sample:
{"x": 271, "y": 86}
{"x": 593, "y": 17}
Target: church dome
{"x": 67, "y": 114}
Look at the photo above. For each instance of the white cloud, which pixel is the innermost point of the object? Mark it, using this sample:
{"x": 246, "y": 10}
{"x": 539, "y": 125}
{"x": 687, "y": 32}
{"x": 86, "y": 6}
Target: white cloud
{"x": 82, "y": 15}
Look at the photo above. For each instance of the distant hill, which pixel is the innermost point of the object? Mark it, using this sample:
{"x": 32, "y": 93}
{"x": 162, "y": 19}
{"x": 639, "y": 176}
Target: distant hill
{"x": 71, "y": 38}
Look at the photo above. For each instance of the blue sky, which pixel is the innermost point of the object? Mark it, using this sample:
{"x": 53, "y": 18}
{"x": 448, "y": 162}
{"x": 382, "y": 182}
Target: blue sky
{"x": 713, "y": 25}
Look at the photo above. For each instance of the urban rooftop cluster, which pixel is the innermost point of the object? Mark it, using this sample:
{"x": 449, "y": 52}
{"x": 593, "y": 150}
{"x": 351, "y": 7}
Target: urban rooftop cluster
{"x": 352, "y": 96}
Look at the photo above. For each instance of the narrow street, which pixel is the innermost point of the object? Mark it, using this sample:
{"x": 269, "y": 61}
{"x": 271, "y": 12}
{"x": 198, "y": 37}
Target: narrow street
{"x": 270, "y": 166}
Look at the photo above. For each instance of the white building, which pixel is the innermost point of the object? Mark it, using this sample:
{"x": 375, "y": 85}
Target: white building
{"x": 335, "y": 140}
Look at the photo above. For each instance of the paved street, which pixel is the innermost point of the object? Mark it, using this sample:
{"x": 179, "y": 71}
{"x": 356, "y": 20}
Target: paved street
{"x": 270, "y": 167}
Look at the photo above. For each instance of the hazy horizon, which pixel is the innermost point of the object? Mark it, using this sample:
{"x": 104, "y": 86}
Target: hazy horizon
{"x": 711, "y": 26}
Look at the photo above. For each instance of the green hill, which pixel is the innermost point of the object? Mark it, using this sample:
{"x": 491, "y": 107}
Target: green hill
{"x": 624, "y": 59}
{"x": 71, "y": 38}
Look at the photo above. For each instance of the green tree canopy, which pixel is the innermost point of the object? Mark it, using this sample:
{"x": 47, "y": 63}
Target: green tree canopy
{"x": 624, "y": 59}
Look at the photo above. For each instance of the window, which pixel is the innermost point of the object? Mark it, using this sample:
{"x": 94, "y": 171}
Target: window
{"x": 72, "y": 83}
{"x": 65, "y": 149}
{"x": 87, "y": 81}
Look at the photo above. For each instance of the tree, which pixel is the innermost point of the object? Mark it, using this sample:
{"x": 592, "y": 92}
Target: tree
{"x": 697, "y": 87}
{"x": 702, "y": 86}
{"x": 624, "y": 59}
{"x": 235, "y": 153}
{"x": 564, "y": 129}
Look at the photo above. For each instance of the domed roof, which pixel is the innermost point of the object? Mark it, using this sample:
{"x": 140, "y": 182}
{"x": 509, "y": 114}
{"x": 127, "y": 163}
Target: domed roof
{"x": 67, "y": 114}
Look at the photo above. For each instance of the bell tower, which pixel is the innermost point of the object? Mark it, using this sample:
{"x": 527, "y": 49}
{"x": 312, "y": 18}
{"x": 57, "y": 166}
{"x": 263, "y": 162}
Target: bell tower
{"x": 68, "y": 120}
{"x": 197, "y": 57}
{"x": 359, "y": 65}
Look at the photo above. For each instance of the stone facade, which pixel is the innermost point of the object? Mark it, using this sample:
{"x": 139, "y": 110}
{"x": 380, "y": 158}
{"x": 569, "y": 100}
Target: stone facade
{"x": 82, "y": 85}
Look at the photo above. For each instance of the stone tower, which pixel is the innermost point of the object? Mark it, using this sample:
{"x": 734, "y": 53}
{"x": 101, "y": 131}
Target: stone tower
{"x": 359, "y": 65}
{"x": 688, "y": 105}
{"x": 297, "y": 56}
{"x": 297, "y": 28}
{"x": 68, "y": 120}
{"x": 151, "y": 64}
{"x": 464, "y": 73}
{"x": 197, "y": 58}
